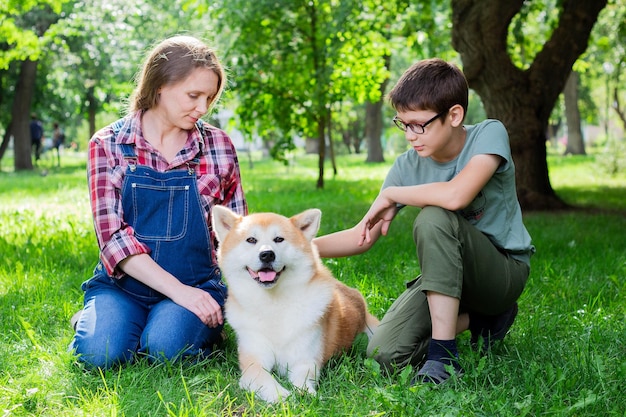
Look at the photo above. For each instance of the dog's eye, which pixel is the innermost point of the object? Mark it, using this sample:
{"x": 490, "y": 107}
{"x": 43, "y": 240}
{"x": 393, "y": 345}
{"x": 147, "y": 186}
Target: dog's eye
{"x": 251, "y": 240}
{"x": 278, "y": 239}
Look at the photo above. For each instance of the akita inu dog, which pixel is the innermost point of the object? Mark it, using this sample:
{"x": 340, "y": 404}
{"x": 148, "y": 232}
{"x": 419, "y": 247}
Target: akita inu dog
{"x": 287, "y": 310}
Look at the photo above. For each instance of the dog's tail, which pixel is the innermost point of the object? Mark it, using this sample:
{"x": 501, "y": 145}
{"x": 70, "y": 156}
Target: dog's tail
{"x": 371, "y": 323}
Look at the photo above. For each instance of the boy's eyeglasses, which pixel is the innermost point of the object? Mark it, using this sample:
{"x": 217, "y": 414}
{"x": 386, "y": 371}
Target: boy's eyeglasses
{"x": 416, "y": 127}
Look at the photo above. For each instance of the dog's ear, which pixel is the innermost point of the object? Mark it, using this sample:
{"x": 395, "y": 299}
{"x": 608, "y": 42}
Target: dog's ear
{"x": 308, "y": 222}
{"x": 223, "y": 219}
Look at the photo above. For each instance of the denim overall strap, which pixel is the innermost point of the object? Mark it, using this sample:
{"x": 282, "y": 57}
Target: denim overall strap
{"x": 166, "y": 214}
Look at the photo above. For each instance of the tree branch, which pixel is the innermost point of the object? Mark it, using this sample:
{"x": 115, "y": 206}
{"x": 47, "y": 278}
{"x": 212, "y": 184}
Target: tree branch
{"x": 568, "y": 41}
{"x": 482, "y": 45}
{"x": 617, "y": 107}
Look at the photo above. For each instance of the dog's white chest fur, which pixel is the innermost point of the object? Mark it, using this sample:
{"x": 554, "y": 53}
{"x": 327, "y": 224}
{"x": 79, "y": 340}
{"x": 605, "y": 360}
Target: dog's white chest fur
{"x": 286, "y": 326}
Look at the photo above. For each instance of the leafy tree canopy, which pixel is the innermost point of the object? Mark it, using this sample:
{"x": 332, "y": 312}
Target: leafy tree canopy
{"x": 19, "y": 28}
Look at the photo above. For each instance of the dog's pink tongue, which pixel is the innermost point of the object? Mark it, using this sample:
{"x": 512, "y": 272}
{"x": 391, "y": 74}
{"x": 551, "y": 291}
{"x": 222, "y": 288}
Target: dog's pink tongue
{"x": 267, "y": 276}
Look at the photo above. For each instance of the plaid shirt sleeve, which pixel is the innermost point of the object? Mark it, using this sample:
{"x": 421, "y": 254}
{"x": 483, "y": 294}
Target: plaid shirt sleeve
{"x": 105, "y": 172}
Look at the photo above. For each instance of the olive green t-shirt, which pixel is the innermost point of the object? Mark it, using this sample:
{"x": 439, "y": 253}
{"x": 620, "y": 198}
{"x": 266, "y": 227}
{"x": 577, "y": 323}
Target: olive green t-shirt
{"x": 495, "y": 211}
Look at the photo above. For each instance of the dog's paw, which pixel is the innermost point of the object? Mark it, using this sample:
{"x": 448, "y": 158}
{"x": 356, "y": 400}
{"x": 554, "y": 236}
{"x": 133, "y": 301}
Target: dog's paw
{"x": 270, "y": 392}
{"x": 305, "y": 377}
{"x": 273, "y": 394}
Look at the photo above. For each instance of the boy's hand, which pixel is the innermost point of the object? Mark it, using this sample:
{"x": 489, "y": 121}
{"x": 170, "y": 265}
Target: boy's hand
{"x": 382, "y": 209}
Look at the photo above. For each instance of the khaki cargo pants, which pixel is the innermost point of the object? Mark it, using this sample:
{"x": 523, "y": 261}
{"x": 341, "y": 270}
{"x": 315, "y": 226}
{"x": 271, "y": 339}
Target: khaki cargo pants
{"x": 458, "y": 260}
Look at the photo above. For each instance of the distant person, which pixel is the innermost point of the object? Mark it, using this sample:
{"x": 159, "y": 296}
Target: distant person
{"x": 153, "y": 177}
{"x": 473, "y": 248}
{"x": 58, "y": 139}
{"x": 36, "y": 136}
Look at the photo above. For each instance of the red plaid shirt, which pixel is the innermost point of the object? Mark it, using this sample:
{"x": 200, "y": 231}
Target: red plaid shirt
{"x": 218, "y": 179}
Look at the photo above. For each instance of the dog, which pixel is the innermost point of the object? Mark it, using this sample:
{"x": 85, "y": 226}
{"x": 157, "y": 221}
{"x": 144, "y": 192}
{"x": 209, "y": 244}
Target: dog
{"x": 288, "y": 312}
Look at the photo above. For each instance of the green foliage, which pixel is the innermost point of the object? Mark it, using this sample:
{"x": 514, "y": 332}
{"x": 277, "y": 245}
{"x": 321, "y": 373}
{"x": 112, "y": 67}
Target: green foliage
{"x": 287, "y": 53}
{"x": 286, "y": 73}
{"x": 19, "y": 32}
{"x": 564, "y": 356}
{"x": 602, "y": 63}
{"x": 90, "y": 55}
{"x": 307, "y": 68}
{"x": 530, "y": 29}
{"x": 25, "y": 42}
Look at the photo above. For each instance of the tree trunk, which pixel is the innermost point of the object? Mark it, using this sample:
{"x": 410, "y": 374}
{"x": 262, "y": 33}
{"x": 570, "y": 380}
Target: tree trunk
{"x": 374, "y": 122}
{"x": 331, "y": 145}
{"x": 374, "y": 130}
{"x": 575, "y": 145}
{"x": 356, "y": 140}
{"x": 521, "y": 99}
{"x": 321, "y": 140}
{"x": 20, "y": 115}
{"x": 617, "y": 106}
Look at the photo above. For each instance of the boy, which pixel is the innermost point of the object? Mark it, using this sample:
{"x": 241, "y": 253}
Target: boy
{"x": 473, "y": 248}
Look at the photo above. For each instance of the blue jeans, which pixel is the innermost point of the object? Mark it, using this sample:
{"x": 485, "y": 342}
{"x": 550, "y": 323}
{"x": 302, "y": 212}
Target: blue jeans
{"x": 116, "y": 325}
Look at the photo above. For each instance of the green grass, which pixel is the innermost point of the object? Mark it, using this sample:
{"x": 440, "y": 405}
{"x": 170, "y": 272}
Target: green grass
{"x": 564, "y": 356}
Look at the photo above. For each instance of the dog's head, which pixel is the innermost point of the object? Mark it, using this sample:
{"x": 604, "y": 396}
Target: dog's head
{"x": 265, "y": 247}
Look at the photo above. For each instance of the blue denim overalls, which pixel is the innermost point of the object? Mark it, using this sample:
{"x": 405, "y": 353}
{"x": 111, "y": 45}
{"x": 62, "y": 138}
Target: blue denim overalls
{"x": 124, "y": 316}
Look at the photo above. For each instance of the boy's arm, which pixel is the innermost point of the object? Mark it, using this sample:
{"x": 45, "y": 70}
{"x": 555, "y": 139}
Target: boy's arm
{"x": 452, "y": 195}
{"x": 346, "y": 242}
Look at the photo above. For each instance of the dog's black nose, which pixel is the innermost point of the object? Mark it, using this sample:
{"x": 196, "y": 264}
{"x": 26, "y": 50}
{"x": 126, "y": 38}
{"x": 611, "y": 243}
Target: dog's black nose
{"x": 267, "y": 256}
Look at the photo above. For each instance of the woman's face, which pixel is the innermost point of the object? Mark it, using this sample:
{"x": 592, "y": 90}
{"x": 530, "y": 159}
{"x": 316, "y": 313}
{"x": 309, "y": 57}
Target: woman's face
{"x": 183, "y": 103}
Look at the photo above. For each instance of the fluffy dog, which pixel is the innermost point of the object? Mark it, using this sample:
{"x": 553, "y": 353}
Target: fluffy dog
{"x": 288, "y": 312}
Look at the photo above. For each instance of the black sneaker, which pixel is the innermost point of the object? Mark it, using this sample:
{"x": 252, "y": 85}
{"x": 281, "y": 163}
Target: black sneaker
{"x": 492, "y": 329}
{"x": 435, "y": 372}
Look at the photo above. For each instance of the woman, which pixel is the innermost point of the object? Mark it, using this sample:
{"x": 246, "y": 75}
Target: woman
{"x": 153, "y": 178}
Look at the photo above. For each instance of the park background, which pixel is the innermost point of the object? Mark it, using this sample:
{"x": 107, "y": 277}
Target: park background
{"x": 305, "y": 105}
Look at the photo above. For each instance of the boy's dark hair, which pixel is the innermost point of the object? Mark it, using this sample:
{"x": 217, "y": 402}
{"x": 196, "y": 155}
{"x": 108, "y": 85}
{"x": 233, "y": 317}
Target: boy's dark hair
{"x": 431, "y": 84}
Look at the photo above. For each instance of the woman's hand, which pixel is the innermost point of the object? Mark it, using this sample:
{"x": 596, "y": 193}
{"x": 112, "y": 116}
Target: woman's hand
{"x": 143, "y": 268}
{"x": 200, "y": 303}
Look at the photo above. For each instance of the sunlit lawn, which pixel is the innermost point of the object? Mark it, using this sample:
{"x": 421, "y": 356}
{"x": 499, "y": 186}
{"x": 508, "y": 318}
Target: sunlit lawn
{"x": 564, "y": 356}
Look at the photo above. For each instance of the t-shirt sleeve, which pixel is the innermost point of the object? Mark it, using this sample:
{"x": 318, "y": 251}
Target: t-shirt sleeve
{"x": 492, "y": 138}
{"x": 393, "y": 178}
